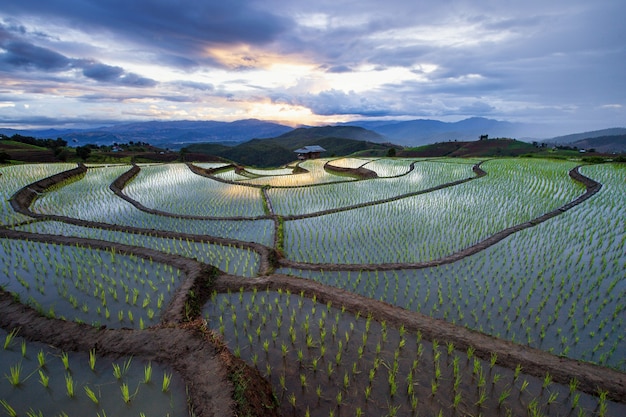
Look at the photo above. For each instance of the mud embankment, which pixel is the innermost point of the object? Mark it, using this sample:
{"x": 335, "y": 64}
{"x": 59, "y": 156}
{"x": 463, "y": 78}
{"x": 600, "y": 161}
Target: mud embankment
{"x": 361, "y": 172}
{"x": 592, "y": 187}
{"x": 533, "y": 361}
{"x": 23, "y": 198}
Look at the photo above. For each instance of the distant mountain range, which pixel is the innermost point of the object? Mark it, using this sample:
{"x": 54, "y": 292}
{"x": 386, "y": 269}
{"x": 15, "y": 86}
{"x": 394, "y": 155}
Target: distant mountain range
{"x": 424, "y": 131}
{"x": 177, "y": 134}
{"x": 605, "y": 140}
{"x": 164, "y": 134}
{"x": 336, "y": 140}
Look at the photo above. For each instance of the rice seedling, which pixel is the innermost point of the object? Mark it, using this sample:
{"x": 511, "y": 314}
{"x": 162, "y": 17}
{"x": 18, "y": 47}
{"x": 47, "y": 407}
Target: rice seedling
{"x": 147, "y": 373}
{"x": 41, "y": 358}
{"x": 15, "y": 374}
{"x": 69, "y": 385}
{"x": 126, "y": 392}
{"x": 91, "y": 395}
{"x": 65, "y": 358}
{"x": 120, "y": 371}
{"x": 8, "y": 339}
{"x": 44, "y": 379}
{"x": 167, "y": 379}
{"x": 8, "y": 409}
{"x": 92, "y": 360}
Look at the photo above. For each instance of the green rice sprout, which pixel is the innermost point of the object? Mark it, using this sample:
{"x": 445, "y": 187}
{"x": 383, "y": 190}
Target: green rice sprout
{"x": 92, "y": 359}
{"x": 9, "y": 410}
{"x": 44, "y": 379}
{"x": 547, "y": 380}
{"x": 91, "y": 395}
{"x": 66, "y": 360}
{"x": 15, "y": 375}
{"x": 125, "y": 393}
{"x": 41, "y": 358}
{"x": 503, "y": 396}
{"x": 120, "y": 371}
{"x": 457, "y": 400}
{"x": 69, "y": 385}
{"x": 573, "y": 385}
{"x": 553, "y": 397}
{"x": 8, "y": 339}
{"x": 602, "y": 405}
{"x": 167, "y": 379}
{"x": 493, "y": 359}
{"x": 147, "y": 373}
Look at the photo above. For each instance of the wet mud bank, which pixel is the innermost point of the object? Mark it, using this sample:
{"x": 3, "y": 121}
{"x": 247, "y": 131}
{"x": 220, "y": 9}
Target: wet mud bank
{"x": 533, "y": 361}
{"x": 591, "y": 188}
{"x": 181, "y": 341}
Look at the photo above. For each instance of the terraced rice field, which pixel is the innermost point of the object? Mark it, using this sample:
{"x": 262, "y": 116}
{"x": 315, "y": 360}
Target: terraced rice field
{"x": 434, "y": 287}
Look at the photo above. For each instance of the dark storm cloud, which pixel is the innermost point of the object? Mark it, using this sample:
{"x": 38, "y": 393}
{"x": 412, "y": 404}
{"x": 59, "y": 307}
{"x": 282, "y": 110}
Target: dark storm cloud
{"x": 480, "y": 57}
{"x": 179, "y": 28}
{"x": 102, "y": 72}
{"x": 18, "y": 54}
{"x": 25, "y": 55}
{"x": 338, "y": 69}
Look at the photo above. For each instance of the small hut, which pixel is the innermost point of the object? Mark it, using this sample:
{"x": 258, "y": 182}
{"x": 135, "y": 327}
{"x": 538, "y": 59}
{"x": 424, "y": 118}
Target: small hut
{"x": 309, "y": 152}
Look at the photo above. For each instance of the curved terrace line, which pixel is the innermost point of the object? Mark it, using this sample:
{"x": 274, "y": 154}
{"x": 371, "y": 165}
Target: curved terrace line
{"x": 476, "y": 168}
{"x": 201, "y": 361}
{"x": 155, "y": 341}
{"x": 269, "y": 258}
{"x": 118, "y": 185}
{"x": 359, "y": 173}
{"x": 592, "y": 187}
{"x": 534, "y": 361}
{"x": 208, "y": 173}
{"x": 23, "y": 199}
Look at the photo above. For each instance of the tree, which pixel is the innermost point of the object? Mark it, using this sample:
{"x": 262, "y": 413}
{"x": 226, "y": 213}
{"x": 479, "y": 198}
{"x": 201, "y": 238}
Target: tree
{"x": 391, "y": 152}
{"x": 83, "y": 152}
{"x": 4, "y": 157}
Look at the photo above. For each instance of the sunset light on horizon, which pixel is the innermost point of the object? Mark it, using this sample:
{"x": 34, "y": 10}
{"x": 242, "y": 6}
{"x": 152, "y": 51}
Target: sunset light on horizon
{"x": 558, "y": 64}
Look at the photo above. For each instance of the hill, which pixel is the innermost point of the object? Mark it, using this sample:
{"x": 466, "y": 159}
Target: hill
{"x": 424, "y": 131}
{"x": 480, "y": 148}
{"x": 173, "y": 135}
{"x": 576, "y": 137}
{"x": 338, "y": 140}
{"x": 603, "y": 144}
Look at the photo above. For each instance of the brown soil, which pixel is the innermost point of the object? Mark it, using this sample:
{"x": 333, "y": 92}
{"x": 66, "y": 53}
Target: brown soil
{"x": 360, "y": 172}
{"x": 212, "y": 374}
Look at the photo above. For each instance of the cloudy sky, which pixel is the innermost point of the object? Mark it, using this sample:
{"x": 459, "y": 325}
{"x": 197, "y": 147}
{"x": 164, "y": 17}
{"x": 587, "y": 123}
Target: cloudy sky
{"x": 88, "y": 62}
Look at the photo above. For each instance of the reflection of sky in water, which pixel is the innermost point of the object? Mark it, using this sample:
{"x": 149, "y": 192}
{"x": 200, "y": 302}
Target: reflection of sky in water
{"x": 227, "y": 258}
{"x": 174, "y": 188}
{"x": 91, "y": 199}
{"x": 567, "y": 273}
{"x": 88, "y": 285}
{"x": 15, "y": 177}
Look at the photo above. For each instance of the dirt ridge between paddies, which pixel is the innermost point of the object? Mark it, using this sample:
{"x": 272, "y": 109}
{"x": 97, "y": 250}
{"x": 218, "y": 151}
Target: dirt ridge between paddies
{"x": 591, "y": 188}
{"x": 534, "y": 361}
{"x": 24, "y": 198}
{"x": 195, "y": 353}
{"x": 596, "y": 376}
